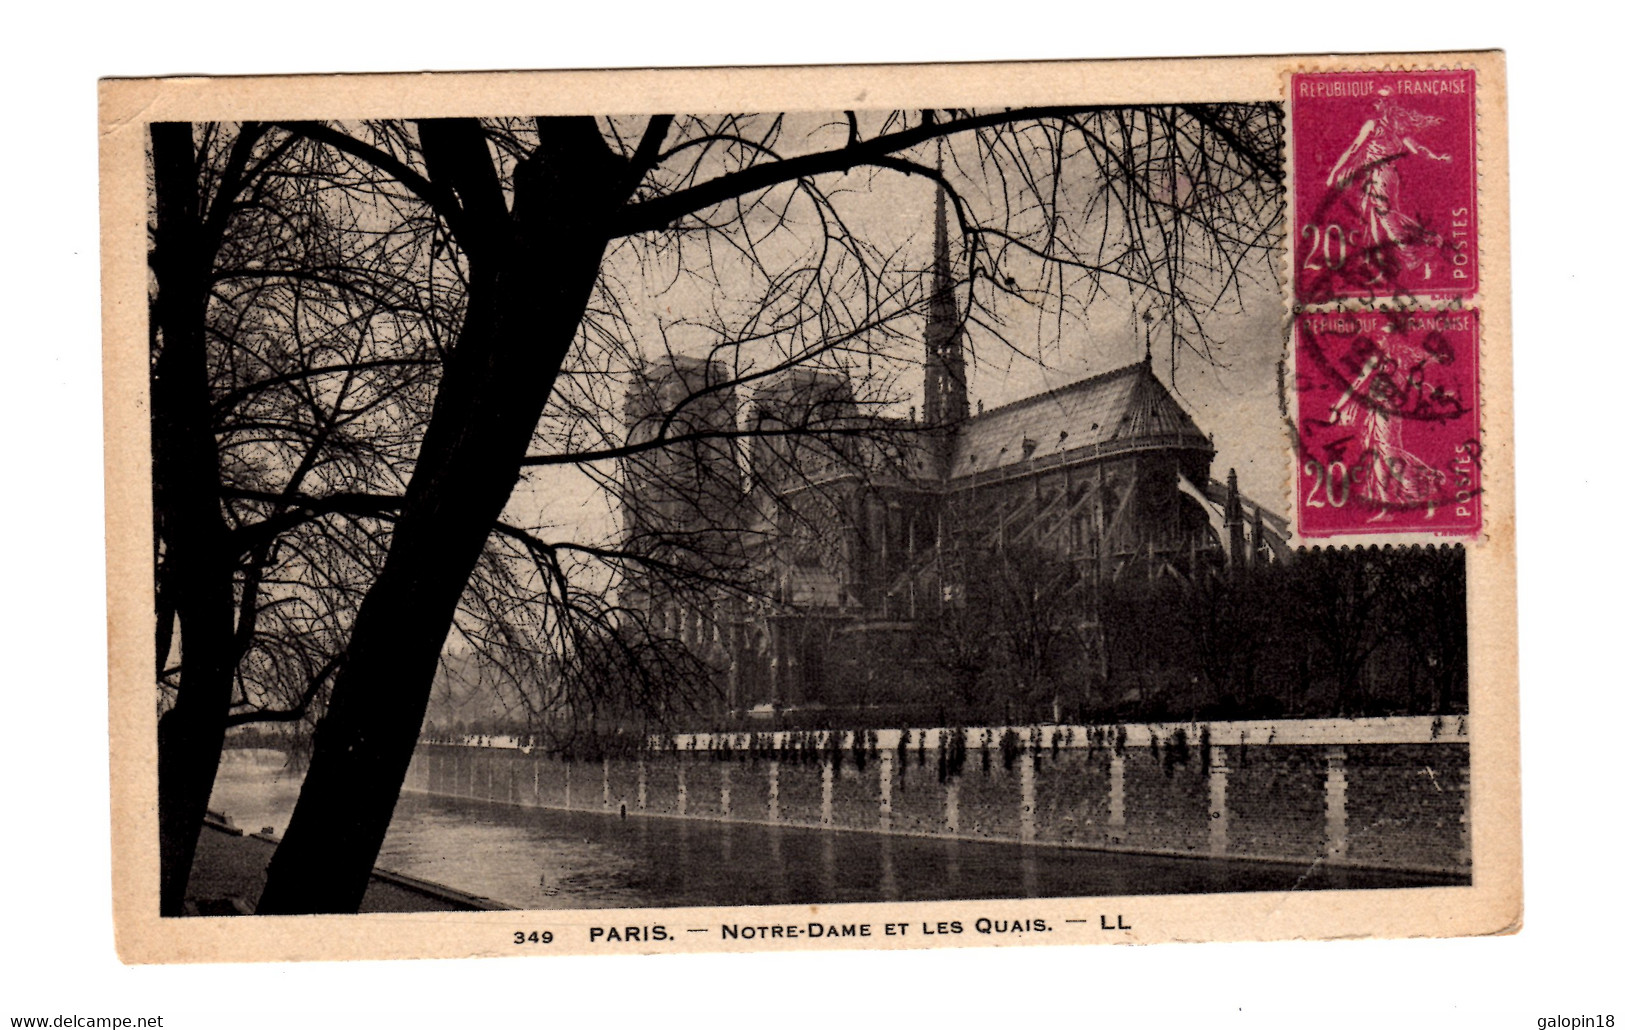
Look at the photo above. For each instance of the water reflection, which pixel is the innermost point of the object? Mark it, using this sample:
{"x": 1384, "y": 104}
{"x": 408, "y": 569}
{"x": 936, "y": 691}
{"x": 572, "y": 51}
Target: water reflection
{"x": 828, "y": 886}
{"x": 888, "y": 869}
{"x": 780, "y": 885}
{"x": 549, "y": 859}
{"x": 680, "y": 868}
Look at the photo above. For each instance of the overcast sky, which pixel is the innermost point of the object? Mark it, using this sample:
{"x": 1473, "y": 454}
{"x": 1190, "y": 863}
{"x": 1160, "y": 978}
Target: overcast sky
{"x": 1234, "y": 399}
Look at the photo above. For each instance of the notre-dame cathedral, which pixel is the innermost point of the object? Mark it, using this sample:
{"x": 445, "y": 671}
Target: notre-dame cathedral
{"x": 848, "y": 528}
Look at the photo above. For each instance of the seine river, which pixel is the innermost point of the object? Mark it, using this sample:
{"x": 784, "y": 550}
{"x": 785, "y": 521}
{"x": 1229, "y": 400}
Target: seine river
{"x": 536, "y": 858}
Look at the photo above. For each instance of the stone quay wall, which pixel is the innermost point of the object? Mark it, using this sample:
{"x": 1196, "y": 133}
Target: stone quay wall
{"x": 1384, "y": 793}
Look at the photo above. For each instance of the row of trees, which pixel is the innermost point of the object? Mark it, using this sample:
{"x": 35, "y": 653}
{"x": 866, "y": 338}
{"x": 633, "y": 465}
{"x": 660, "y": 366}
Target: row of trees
{"x": 377, "y": 348}
{"x": 1335, "y": 632}
{"x": 1329, "y": 633}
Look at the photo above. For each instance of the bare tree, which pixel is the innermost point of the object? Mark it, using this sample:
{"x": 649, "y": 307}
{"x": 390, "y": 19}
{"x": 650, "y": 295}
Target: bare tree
{"x": 543, "y": 243}
{"x": 292, "y": 355}
{"x": 1010, "y": 637}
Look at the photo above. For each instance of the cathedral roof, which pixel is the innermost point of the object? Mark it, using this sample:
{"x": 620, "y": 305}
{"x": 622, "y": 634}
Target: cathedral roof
{"x": 1124, "y": 408}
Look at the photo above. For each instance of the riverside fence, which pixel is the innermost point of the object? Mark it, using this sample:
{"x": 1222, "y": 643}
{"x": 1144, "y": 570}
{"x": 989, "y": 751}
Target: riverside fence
{"x": 1389, "y": 793}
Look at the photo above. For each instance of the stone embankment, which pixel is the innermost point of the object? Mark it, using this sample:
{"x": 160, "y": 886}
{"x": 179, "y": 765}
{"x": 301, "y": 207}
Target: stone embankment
{"x": 1381, "y": 793}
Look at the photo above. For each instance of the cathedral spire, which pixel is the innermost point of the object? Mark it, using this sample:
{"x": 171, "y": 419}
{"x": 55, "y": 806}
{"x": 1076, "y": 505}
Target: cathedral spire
{"x": 941, "y": 273}
{"x": 946, "y": 399}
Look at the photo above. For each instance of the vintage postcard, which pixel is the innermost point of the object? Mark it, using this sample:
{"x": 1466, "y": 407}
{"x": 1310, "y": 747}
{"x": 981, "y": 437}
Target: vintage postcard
{"x": 841, "y": 507}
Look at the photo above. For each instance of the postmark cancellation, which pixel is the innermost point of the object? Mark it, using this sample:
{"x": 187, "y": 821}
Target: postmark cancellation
{"x": 1385, "y": 185}
{"x": 1388, "y": 422}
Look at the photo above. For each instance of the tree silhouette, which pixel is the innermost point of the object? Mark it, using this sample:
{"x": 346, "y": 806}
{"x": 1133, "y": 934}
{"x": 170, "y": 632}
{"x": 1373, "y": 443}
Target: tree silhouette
{"x": 292, "y": 354}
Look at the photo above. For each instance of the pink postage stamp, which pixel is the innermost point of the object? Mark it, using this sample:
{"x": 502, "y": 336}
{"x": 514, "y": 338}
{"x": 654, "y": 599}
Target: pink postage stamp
{"x": 1384, "y": 165}
{"x": 1388, "y": 423}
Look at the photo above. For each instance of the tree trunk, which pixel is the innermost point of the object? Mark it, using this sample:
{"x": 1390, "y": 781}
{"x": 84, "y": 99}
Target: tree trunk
{"x": 196, "y": 568}
{"x": 531, "y": 275}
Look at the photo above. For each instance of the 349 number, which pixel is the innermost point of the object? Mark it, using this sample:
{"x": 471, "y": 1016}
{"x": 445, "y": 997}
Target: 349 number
{"x": 533, "y": 937}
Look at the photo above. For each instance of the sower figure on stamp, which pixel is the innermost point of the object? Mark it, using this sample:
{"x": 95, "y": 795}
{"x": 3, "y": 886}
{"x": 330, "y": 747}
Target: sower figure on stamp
{"x": 1387, "y": 476}
{"x": 1371, "y": 164}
